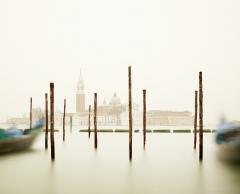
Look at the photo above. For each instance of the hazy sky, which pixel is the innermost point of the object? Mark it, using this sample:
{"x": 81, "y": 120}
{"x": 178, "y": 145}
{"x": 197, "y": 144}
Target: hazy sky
{"x": 166, "y": 42}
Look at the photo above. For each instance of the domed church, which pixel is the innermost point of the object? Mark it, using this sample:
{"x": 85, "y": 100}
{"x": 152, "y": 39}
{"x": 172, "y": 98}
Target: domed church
{"x": 107, "y": 113}
{"x": 115, "y": 113}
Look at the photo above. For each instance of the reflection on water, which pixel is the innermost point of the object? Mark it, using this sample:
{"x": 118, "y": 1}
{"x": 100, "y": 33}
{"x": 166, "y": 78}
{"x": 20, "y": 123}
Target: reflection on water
{"x": 168, "y": 165}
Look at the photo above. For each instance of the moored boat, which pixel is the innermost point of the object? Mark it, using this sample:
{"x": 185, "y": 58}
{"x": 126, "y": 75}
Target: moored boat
{"x": 14, "y": 139}
{"x": 228, "y": 141}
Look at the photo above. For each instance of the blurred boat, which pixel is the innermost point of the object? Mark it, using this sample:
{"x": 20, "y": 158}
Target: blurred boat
{"x": 14, "y": 139}
{"x": 228, "y": 141}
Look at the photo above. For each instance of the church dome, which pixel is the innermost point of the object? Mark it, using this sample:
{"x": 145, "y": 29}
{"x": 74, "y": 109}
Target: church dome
{"x": 115, "y": 100}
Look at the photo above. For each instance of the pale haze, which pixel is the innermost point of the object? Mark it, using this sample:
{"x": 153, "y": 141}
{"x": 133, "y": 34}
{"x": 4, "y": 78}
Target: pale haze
{"x": 166, "y": 42}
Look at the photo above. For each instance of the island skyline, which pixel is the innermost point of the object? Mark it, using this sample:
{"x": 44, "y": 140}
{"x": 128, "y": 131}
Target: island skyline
{"x": 166, "y": 43}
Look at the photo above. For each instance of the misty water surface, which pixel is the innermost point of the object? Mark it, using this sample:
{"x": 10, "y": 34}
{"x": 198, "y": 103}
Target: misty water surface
{"x": 168, "y": 165}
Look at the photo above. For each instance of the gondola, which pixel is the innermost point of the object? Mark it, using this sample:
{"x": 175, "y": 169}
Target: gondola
{"x": 228, "y": 141}
{"x": 14, "y": 139}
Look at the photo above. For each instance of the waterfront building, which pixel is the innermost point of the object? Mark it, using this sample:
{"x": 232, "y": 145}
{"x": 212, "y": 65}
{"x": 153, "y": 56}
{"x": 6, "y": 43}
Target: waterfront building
{"x": 115, "y": 113}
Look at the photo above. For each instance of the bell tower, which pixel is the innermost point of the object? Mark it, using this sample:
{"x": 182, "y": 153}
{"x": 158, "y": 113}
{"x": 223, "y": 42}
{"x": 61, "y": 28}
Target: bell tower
{"x": 80, "y": 95}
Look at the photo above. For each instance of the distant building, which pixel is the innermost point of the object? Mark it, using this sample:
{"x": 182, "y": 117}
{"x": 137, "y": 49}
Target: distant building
{"x": 80, "y": 95}
{"x": 24, "y": 120}
{"x": 112, "y": 113}
{"x": 18, "y": 121}
{"x": 115, "y": 113}
{"x": 157, "y": 117}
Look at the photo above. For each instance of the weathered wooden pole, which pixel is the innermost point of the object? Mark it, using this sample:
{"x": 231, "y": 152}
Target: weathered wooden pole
{"x": 195, "y": 119}
{"x": 52, "y": 121}
{"x": 144, "y": 118}
{"x": 30, "y": 113}
{"x": 95, "y": 121}
{"x": 200, "y": 117}
{"x": 89, "y": 121}
{"x": 64, "y": 114}
{"x": 71, "y": 124}
{"x": 46, "y": 121}
{"x": 130, "y": 110}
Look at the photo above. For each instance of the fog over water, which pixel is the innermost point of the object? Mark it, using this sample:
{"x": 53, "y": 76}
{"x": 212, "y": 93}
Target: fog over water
{"x": 168, "y": 165}
{"x": 166, "y": 42}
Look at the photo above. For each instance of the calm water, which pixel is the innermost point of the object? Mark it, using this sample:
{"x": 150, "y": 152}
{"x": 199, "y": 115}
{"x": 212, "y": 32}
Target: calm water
{"x": 168, "y": 165}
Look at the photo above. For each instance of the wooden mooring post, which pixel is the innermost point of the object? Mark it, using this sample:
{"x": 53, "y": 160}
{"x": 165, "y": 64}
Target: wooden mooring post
{"x": 200, "y": 117}
{"x": 52, "y": 121}
{"x": 89, "y": 121}
{"x": 95, "y": 121}
{"x": 130, "y": 110}
{"x": 144, "y": 118}
{"x": 64, "y": 114}
{"x": 46, "y": 121}
{"x": 195, "y": 119}
{"x": 70, "y": 124}
{"x": 30, "y": 116}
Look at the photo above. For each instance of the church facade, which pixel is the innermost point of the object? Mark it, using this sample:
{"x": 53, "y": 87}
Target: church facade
{"x": 115, "y": 113}
{"x": 108, "y": 114}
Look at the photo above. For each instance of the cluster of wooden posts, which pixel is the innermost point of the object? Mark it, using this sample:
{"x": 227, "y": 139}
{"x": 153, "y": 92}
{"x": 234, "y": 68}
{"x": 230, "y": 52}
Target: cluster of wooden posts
{"x": 198, "y": 98}
{"x": 51, "y": 120}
